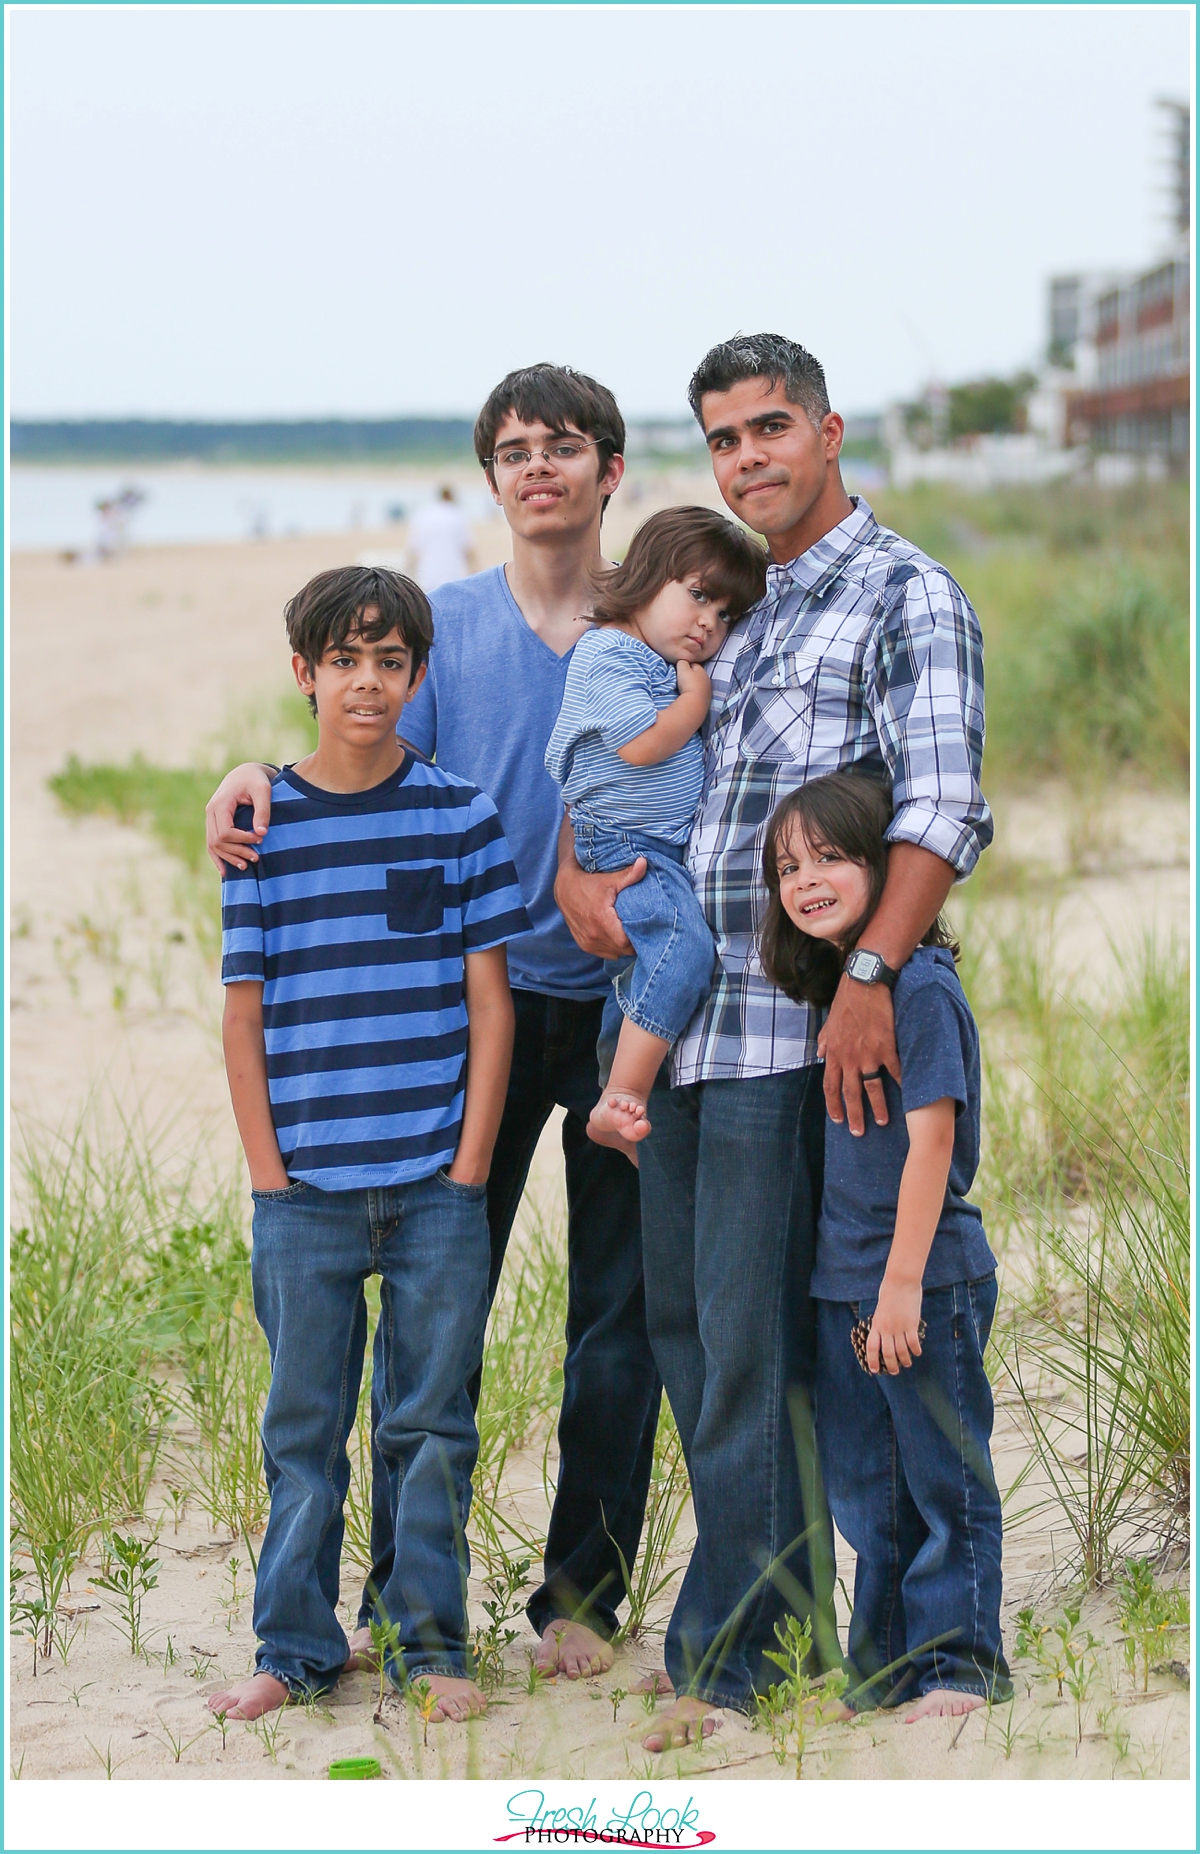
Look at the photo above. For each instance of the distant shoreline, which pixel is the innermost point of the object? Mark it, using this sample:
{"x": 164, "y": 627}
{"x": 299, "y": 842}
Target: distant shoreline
{"x": 379, "y": 464}
{"x": 235, "y": 441}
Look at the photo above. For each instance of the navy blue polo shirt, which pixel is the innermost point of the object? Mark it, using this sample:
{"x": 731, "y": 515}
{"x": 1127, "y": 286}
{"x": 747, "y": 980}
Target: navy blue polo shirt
{"x": 938, "y": 1046}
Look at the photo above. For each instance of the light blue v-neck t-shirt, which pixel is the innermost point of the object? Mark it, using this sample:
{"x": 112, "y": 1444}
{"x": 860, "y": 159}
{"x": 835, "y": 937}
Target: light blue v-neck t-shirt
{"x": 486, "y": 711}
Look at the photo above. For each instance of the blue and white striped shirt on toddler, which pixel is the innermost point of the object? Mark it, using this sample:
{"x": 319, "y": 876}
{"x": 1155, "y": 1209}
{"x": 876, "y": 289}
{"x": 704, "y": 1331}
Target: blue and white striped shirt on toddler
{"x": 356, "y": 918}
{"x": 616, "y": 688}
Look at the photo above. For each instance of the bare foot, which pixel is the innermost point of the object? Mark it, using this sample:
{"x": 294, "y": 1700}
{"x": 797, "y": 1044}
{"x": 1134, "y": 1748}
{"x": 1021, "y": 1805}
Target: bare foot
{"x": 687, "y": 1722}
{"x": 249, "y": 1699}
{"x": 619, "y": 1120}
{"x": 362, "y": 1656}
{"x": 571, "y": 1648}
{"x": 943, "y": 1703}
{"x": 658, "y": 1682}
{"x": 456, "y": 1699}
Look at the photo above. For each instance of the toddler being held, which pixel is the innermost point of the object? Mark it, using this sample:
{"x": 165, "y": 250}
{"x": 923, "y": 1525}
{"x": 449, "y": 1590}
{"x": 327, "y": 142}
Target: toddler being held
{"x": 627, "y": 753}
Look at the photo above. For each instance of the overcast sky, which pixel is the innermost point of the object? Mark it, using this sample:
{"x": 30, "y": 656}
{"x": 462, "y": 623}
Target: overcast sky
{"x": 273, "y": 212}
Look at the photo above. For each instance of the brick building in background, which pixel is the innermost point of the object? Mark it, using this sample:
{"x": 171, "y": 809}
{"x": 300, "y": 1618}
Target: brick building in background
{"x": 1128, "y": 339}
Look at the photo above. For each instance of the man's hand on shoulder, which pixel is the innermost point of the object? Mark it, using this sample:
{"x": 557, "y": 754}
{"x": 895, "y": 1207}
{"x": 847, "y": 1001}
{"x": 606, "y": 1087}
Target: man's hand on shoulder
{"x": 249, "y": 784}
{"x": 858, "y": 1039}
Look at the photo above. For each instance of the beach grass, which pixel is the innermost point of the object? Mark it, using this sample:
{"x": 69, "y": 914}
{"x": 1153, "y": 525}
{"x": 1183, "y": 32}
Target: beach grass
{"x": 1086, "y": 1194}
{"x": 1083, "y": 598}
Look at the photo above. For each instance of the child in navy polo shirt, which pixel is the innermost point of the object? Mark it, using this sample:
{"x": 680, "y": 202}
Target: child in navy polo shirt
{"x": 368, "y": 1033}
{"x": 904, "y": 1281}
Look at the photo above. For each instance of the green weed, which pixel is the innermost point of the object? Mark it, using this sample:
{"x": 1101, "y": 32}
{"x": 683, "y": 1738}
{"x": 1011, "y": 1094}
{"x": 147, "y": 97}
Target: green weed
{"x": 535, "y": 1678}
{"x": 267, "y": 1727}
{"x": 1064, "y": 1652}
{"x": 501, "y": 1606}
{"x": 133, "y": 1574}
{"x": 108, "y": 1764}
{"x": 425, "y": 1700}
{"x": 799, "y": 1702}
{"x": 175, "y": 1742}
{"x": 1150, "y": 1616}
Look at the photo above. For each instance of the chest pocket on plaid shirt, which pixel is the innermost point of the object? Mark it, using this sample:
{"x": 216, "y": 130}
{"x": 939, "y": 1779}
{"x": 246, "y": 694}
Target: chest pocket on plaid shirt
{"x": 778, "y": 719}
{"x": 416, "y": 899}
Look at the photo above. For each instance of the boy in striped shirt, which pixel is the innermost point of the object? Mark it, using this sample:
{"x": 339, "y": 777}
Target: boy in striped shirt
{"x": 626, "y": 751}
{"x": 368, "y": 1034}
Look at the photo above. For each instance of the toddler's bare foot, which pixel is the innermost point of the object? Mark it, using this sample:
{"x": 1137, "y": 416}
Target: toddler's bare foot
{"x": 571, "y": 1648}
{"x": 249, "y": 1699}
{"x": 456, "y": 1699}
{"x": 688, "y": 1722}
{"x": 943, "y": 1703}
{"x": 362, "y": 1655}
{"x": 619, "y": 1120}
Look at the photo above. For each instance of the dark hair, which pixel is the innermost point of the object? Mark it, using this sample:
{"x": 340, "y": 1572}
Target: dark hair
{"x": 768, "y": 357}
{"x": 559, "y": 398}
{"x": 330, "y": 609}
{"x": 847, "y": 812}
{"x": 670, "y": 545}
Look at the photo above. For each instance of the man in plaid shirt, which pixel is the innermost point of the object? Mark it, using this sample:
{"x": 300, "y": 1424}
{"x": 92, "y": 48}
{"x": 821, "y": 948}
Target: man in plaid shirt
{"x": 864, "y": 653}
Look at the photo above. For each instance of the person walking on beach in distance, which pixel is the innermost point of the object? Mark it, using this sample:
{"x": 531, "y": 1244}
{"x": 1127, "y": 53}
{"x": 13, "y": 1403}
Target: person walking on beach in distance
{"x": 551, "y": 443}
{"x": 439, "y": 539}
{"x": 864, "y": 652}
{"x": 368, "y": 1030}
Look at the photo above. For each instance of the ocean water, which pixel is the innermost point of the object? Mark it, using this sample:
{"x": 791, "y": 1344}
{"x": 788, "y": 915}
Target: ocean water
{"x": 53, "y": 506}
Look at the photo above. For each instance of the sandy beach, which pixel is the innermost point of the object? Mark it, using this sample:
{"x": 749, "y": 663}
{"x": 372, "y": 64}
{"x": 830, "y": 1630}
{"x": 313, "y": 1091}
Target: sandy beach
{"x": 169, "y": 652}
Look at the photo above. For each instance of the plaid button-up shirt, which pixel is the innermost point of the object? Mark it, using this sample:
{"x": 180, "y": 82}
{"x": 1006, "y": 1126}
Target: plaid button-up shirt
{"x": 864, "y": 652}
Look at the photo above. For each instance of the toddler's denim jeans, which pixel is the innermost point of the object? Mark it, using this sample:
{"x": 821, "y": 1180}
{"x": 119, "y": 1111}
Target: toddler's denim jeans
{"x": 670, "y": 975}
{"x": 909, "y": 1480}
{"x": 313, "y": 1250}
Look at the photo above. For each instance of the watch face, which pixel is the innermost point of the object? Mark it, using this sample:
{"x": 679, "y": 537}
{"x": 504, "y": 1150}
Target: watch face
{"x": 864, "y": 966}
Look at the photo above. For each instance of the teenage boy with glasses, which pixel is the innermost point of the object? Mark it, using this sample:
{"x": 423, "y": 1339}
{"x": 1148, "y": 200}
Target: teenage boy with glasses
{"x": 551, "y": 443}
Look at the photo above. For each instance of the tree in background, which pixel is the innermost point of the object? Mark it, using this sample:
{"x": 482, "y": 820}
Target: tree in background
{"x": 989, "y": 405}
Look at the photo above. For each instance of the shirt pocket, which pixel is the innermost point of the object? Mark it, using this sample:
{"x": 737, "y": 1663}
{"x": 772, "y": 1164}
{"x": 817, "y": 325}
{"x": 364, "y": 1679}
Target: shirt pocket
{"x": 778, "y": 719}
{"x": 416, "y": 899}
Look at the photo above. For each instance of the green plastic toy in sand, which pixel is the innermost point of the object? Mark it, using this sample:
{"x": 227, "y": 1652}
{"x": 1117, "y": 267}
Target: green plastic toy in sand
{"x": 351, "y": 1769}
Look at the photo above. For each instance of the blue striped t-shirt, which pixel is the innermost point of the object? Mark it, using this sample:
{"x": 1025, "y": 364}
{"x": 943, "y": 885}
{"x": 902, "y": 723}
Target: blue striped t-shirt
{"x": 616, "y": 687}
{"x": 356, "y": 919}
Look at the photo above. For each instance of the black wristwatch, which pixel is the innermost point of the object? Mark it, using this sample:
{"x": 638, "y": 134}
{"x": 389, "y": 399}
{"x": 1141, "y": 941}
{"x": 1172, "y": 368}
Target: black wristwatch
{"x": 869, "y": 969}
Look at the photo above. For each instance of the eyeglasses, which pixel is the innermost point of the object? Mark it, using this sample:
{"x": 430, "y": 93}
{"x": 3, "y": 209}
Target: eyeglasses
{"x": 566, "y": 452}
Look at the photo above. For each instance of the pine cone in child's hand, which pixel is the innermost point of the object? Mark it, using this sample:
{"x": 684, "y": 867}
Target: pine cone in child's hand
{"x": 860, "y": 1332}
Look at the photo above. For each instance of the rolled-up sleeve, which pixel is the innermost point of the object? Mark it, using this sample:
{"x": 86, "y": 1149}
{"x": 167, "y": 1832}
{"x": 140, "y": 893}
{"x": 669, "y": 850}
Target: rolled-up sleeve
{"x": 926, "y": 700}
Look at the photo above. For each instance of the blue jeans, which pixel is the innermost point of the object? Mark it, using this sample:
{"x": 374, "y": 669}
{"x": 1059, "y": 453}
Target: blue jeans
{"x": 908, "y": 1474}
{"x": 313, "y": 1250}
{"x": 731, "y": 1185}
{"x": 611, "y": 1390}
{"x": 670, "y": 975}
